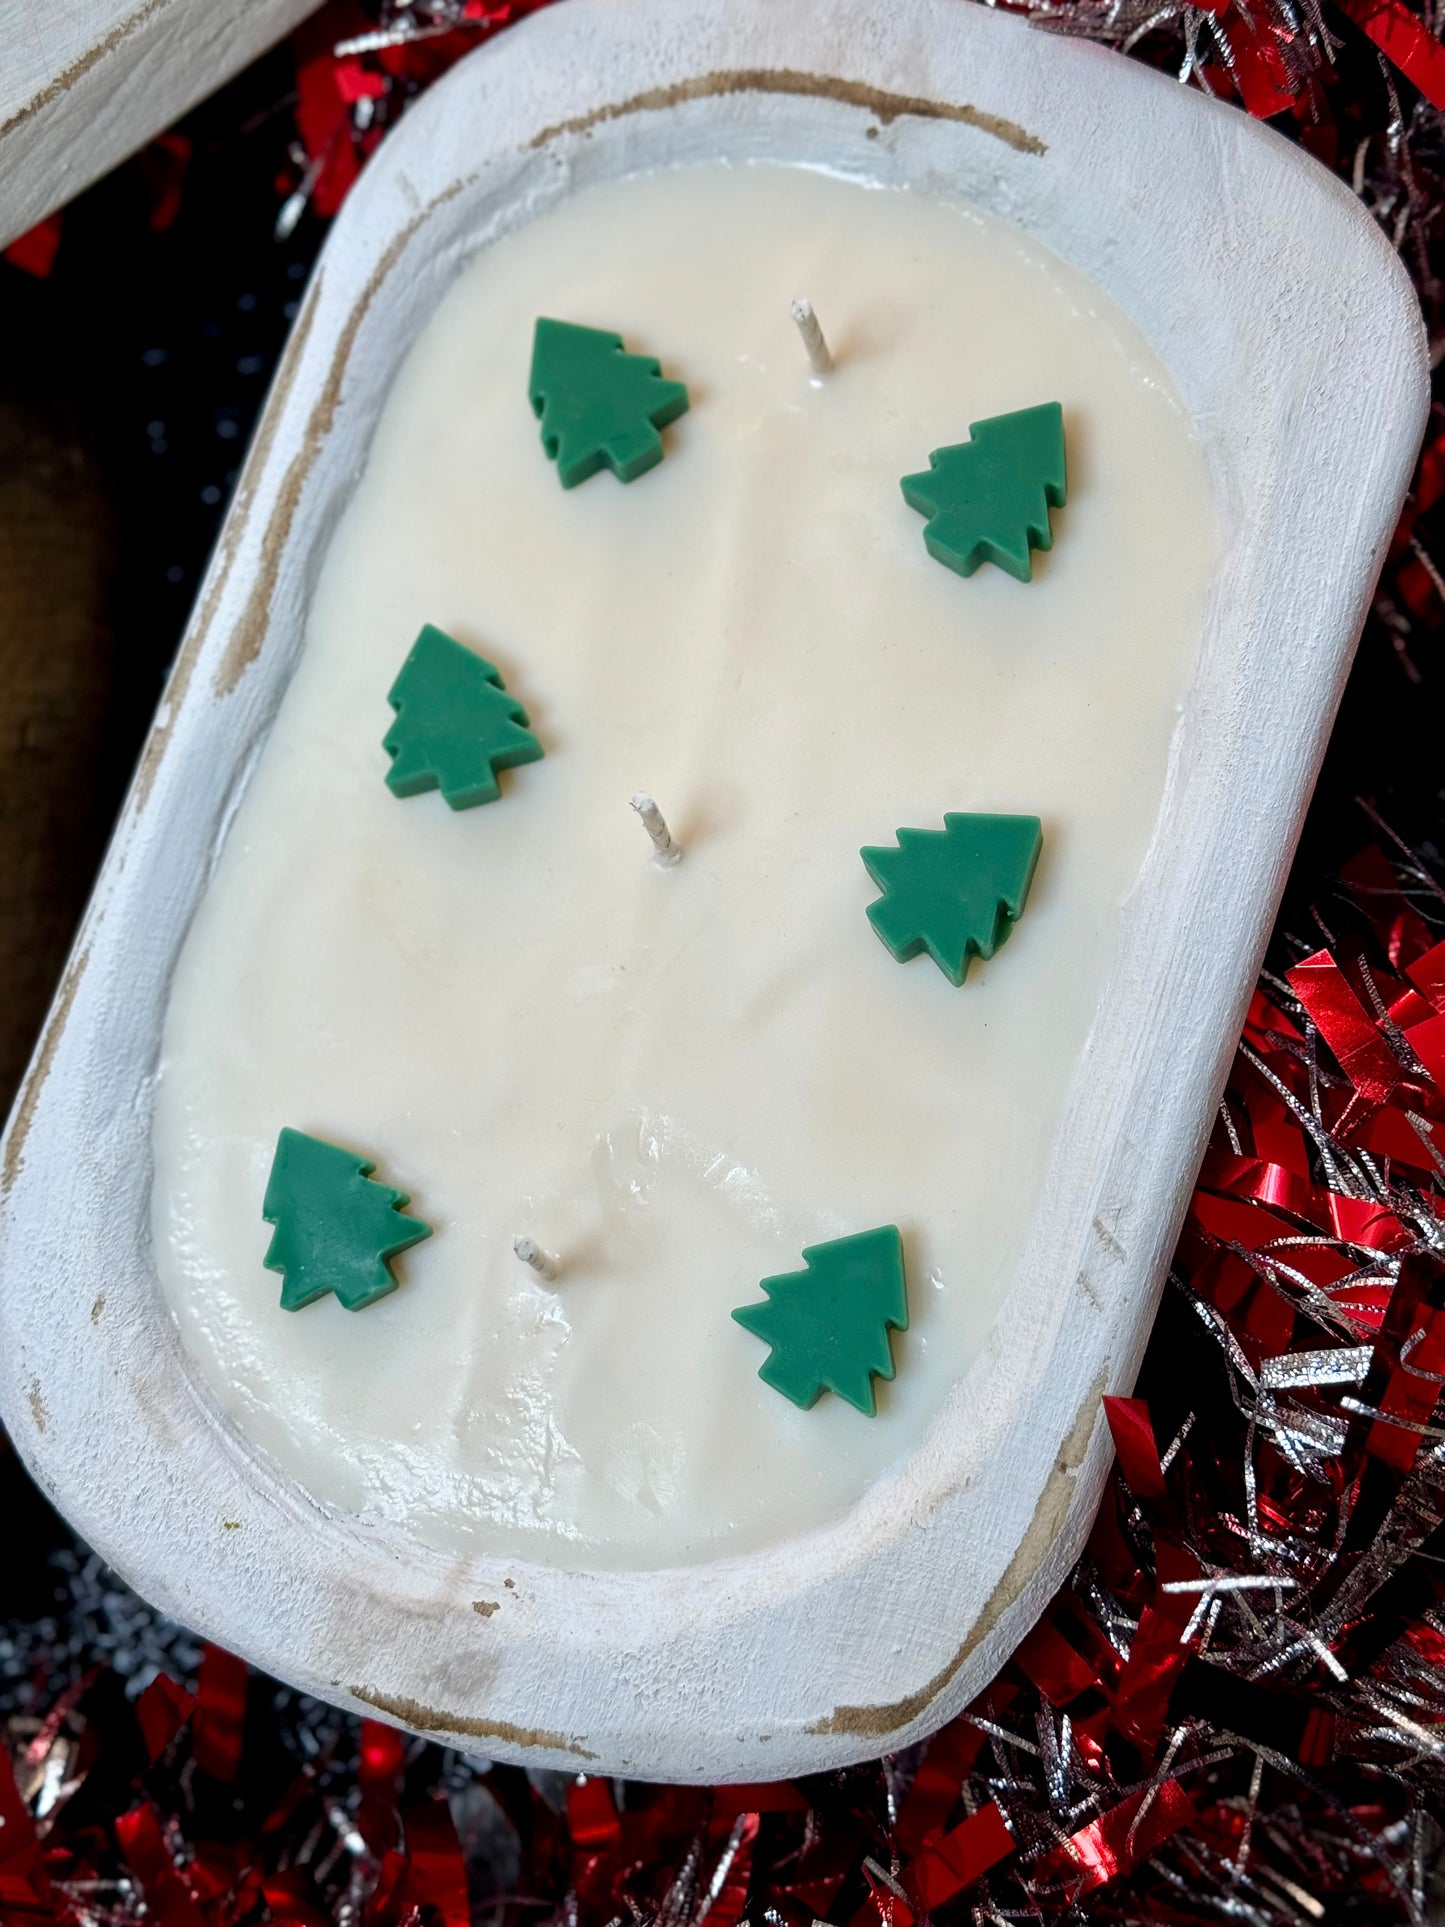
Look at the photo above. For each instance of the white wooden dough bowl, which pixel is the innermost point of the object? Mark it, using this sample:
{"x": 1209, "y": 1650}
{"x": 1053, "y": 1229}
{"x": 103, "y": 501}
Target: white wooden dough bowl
{"x": 83, "y": 86}
{"x": 1292, "y": 334}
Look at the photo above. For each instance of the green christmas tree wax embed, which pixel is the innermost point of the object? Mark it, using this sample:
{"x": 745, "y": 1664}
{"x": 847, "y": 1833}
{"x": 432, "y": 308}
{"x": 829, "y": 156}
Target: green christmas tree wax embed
{"x": 987, "y": 499}
{"x": 455, "y": 726}
{"x": 828, "y": 1324}
{"x": 598, "y": 405}
{"x": 336, "y": 1229}
{"x": 954, "y": 892}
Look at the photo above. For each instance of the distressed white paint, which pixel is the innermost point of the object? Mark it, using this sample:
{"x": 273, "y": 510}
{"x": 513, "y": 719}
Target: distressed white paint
{"x": 83, "y": 83}
{"x": 1293, "y": 336}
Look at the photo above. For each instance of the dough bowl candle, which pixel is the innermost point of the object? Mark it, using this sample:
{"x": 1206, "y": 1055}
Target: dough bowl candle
{"x": 723, "y": 692}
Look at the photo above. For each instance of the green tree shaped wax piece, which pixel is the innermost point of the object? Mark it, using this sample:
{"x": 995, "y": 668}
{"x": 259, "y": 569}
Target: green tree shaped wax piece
{"x": 336, "y": 1229}
{"x": 597, "y": 404}
{"x": 455, "y": 726}
{"x": 987, "y": 499}
{"x": 828, "y": 1324}
{"x": 953, "y": 892}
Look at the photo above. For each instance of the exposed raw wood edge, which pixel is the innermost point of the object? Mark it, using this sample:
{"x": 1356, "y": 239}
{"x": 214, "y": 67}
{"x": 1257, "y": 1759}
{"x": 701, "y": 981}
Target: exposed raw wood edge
{"x": 428, "y": 1719}
{"x": 1050, "y": 1516}
{"x": 887, "y": 107}
{"x": 24, "y": 1114}
{"x": 179, "y": 680}
{"x": 244, "y": 643}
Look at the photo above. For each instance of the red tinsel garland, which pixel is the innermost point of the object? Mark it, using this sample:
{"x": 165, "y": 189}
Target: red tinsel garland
{"x": 1236, "y": 1706}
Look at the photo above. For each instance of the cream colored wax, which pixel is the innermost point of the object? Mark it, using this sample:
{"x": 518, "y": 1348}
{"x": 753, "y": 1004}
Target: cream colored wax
{"x": 674, "y": 1079}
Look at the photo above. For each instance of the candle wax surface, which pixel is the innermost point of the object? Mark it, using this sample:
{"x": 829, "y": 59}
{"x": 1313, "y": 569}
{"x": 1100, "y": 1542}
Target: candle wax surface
{"x": 675, "y": 1079}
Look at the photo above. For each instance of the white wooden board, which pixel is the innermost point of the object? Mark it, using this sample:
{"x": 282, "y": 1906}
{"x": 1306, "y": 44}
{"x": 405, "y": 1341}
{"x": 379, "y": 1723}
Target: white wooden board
{"x": 83, "y": 83}
{"x": 1293, "y": 335}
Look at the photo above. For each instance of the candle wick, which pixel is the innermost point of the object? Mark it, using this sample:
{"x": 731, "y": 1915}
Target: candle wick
{"x": 534, "y": 1257}
{"x": 664, "y": 850}
{"x": 817, "y": 347}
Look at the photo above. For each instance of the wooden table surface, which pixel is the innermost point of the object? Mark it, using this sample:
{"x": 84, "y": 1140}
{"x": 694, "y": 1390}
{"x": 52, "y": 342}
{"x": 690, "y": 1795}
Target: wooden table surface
{"x": 57, "y": 555}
